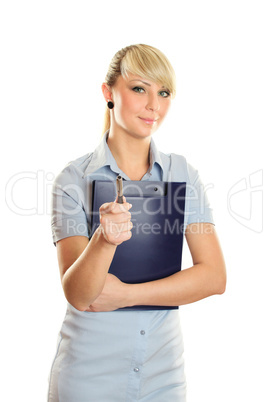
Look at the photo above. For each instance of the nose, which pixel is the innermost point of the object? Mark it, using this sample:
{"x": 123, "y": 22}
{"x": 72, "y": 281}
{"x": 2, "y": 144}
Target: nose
{"x": 153, "y": 103}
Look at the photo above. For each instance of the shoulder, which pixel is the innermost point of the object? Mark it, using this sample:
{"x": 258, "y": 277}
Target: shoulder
{"x": 74, "y": 171}
{"x": 180, "y": 168}
{"x": 179, "y": 159}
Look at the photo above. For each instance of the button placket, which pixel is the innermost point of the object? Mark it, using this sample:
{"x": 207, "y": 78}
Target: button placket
{"x": 138, "y": 357}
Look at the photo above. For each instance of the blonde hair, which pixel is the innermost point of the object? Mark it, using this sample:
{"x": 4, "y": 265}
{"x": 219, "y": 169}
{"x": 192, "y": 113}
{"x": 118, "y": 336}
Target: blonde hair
{"x": 145, "y": 61}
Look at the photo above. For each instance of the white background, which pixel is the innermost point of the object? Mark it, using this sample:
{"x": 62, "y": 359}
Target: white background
{"x": 54, "y": 58}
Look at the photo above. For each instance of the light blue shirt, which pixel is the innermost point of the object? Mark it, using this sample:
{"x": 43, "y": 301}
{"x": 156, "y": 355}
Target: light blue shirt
{"x": 118, "y": 356}
{"x": 72, "y": 189}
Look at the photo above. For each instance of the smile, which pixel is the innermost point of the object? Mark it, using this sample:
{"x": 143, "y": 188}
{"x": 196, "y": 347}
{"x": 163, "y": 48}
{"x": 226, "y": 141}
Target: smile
{"x": 148, "y": 121}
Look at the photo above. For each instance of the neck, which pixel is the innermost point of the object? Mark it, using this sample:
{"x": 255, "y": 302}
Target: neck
{"x": 131, "y": 153}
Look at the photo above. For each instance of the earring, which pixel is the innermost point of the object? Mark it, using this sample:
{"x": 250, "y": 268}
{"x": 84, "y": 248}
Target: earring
{"x": 110, "y": 105}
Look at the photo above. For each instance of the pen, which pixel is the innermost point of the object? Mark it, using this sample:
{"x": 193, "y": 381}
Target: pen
{"x": 119, "y": 189}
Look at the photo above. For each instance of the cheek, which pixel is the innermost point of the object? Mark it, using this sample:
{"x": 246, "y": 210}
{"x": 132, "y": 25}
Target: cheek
{"x": 130, "y": 102}
{"x": 165, "y": 108}
{"x": 122, "y": 110}
{"x": 126, "y": 104}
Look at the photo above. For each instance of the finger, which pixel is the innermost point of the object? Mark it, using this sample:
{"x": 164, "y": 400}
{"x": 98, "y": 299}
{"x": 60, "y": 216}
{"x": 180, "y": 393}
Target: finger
{"x": 118, "y": 235}
{"x": 121, "y": 207}
{"x": 115, "y": 229}
{"x": 114, "y": 207}
{"x": 115, "y": 218}
{"x": 107, "y": 207}
{"x": 125, "y": 236}
{"x": 120, "y": 238}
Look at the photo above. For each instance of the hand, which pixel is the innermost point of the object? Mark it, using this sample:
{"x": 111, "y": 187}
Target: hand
{"x": 115, "y": 294}
{"x": 115, "y": 222}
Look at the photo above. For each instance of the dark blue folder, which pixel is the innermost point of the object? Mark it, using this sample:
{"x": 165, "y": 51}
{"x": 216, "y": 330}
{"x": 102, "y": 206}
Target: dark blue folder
{"x": 155, "y": 248}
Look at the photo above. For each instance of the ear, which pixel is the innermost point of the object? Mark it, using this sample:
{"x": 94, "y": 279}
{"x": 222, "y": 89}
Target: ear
{"x": 106, "y": 90}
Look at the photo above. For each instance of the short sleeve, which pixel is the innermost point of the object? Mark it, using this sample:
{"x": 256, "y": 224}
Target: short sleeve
{"x": 197, "y": 207}
{"x": 68, "y": 217}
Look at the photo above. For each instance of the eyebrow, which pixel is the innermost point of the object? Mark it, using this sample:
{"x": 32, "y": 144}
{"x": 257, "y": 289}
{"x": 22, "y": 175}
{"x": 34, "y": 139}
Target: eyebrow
{"x": 144, "y": 82}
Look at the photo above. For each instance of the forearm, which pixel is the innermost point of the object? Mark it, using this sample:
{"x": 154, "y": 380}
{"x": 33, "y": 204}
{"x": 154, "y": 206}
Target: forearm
{"x": 84, "y": 280}
{"x": 186, "y": 286}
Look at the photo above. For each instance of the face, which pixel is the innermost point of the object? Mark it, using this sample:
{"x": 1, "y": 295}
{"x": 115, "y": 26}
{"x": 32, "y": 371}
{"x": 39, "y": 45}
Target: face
{"x": 140, "y": 105}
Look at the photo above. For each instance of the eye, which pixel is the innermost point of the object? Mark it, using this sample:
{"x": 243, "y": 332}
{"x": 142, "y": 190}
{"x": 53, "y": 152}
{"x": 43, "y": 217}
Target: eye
{"x": 164, "y": 94}
{"x": 138, "y": 90}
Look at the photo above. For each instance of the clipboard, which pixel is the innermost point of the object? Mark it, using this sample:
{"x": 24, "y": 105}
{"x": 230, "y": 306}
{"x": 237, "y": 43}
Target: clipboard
{"x": 155, "y": 248}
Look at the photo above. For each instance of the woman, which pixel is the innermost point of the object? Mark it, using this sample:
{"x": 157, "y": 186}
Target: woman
{"x": 105, "y": 354}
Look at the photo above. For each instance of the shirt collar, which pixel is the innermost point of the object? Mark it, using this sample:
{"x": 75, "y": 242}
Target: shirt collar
{"x": 155, "y": 156}
{"x": 102, "y": 156}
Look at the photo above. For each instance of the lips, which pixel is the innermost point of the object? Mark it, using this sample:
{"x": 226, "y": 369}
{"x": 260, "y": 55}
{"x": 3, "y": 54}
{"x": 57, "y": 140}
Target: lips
{"x": 148, "y": 120}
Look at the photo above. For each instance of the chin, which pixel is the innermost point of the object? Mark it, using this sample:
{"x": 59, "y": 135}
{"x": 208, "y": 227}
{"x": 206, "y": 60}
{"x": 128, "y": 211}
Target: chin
{"x": 143, "y": 133}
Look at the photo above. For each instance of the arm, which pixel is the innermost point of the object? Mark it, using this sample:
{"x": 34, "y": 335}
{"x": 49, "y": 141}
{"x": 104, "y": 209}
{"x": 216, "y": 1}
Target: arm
{"x": 84, "y": 264}
{"x": 205, "y": 278}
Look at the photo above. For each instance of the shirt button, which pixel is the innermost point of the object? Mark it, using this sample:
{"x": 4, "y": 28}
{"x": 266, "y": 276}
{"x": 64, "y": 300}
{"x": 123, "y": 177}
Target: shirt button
{"x": 142, "y": 332}
{"x": 136, "y": 369}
